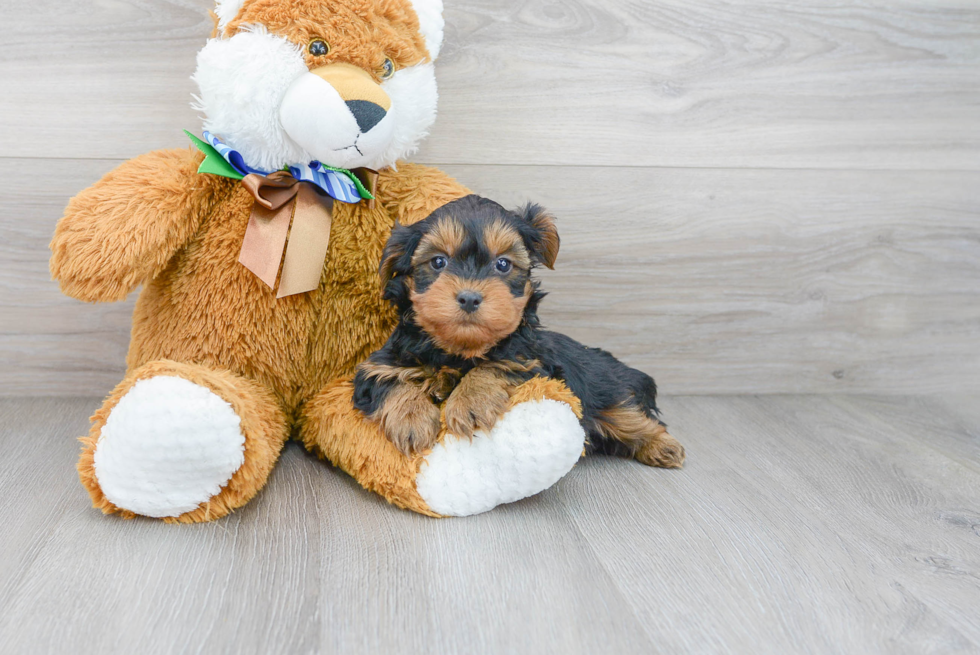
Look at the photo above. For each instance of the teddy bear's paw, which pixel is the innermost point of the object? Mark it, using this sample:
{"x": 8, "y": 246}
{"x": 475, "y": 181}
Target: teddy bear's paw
{"x": 529, "y": 449}
{"x": 167, "y": 446}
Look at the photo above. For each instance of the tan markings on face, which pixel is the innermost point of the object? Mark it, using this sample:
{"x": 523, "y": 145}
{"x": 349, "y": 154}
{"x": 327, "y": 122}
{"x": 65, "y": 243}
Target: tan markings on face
{"x": 361, "y": 33}
{"x": 469, "y": 335}
{"x": 446, "y": 238}
{"x": 504, "y": 241}
{"x": 353, "y": 83}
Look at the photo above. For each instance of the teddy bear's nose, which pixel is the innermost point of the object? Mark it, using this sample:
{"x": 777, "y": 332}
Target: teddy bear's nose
{"x": 366, "y": 113}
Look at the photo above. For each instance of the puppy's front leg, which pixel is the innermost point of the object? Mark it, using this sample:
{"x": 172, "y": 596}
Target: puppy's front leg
{"x": 478, "y": 401}
{"x": 407, "y": 414}
{"x": 409, "y": 418}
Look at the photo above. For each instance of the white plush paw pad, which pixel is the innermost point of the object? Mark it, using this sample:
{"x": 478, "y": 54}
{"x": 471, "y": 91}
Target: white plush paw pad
{"x": 527, "y": 451}
{"x": 168, "y": 446}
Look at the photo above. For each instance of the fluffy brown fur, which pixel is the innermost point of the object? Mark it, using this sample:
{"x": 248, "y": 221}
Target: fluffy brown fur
{"x": 480, "y": 398}
{"x": 200, "y": 305}
{"x": 410, "y": 416}
{"x": 331, "y": 427}
{"x": 503, "y": 241}
{"x": 263, "y": 425}
{"x": 127, "y": 227}
{"x": 156, "y": 221}
{"x": 360, "y": 32}
{"x": 334, "y": 429}
{"x": 644, "y": 438}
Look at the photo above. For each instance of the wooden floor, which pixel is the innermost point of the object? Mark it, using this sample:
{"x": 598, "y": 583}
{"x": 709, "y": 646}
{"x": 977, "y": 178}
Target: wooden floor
{"x": 802, "y": 524}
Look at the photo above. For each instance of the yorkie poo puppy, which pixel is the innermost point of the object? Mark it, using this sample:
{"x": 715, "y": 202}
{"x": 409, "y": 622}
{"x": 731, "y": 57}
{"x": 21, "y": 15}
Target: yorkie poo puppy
{"x": 468, "y": 334}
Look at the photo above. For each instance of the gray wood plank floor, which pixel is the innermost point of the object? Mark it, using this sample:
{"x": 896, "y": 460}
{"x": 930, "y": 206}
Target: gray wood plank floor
{"x": 801, "y": 524}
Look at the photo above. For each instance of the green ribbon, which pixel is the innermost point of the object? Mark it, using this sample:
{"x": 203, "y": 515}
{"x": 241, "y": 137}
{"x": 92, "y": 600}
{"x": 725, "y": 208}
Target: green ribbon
{"x": 215, "y": 164}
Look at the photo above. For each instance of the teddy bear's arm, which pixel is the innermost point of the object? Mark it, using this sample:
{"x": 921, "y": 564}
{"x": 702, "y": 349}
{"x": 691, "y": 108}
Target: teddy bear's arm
{"x": 124, "y": 229}
{"x": 417, "y": 191}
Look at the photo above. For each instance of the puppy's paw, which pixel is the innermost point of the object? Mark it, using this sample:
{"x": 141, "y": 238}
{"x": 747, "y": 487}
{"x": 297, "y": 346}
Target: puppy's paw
{"x": 663, "y": 451}
{"x": 479, "y": 400}
{"x": 410, "y": 419}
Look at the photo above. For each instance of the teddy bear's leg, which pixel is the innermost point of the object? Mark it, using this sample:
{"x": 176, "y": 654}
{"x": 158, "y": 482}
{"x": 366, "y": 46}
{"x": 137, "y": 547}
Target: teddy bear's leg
{"x": 530, "y": 448}
{"x": 181, "y": 442}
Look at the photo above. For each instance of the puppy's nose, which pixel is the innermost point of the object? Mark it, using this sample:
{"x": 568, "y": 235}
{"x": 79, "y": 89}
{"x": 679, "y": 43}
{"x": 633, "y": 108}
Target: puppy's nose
{"x": 469, "y": 301}
{"x": 366, "y": 113}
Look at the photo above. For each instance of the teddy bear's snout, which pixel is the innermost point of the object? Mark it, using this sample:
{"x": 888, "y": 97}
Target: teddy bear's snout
{"x": 339, "y": 114}
{"x": 354, "y": 84}
{"x": 368, "y": 103}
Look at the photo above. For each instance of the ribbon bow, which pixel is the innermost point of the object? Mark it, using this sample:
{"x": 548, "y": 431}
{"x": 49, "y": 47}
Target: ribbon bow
{"x": 291, "y": 214}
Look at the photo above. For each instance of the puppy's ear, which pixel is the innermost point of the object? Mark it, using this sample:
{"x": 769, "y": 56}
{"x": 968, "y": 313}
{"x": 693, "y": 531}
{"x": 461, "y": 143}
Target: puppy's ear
{"x": 397, "y": 256}
{"x": 396, "y": 264}
{"x": 543, "y": 235}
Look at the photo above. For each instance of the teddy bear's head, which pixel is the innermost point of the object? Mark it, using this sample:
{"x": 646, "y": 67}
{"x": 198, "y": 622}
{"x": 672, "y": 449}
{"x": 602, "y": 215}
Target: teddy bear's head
{"x": 348, "y": 83}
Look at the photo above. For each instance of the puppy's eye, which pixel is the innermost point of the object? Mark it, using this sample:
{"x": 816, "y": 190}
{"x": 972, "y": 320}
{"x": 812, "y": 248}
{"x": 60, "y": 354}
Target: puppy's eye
{"x": 387, "y": 69}
{"x": 503, "y": 265}
{"x": 438, "y": 263}
{"x": 318, "y": 47}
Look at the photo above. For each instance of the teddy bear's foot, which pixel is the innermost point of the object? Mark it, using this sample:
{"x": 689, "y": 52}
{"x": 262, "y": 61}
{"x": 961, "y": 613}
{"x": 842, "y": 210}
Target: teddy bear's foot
{"x": 181, "y": 442}
{"x": 530, "y": 448}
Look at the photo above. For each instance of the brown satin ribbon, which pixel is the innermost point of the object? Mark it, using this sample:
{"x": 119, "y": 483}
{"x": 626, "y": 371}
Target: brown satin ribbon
{"x": 290, "y": 225}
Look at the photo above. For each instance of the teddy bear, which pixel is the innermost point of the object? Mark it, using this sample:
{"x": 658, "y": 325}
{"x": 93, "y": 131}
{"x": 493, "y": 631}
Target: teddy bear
{"x": 257, "y": 248}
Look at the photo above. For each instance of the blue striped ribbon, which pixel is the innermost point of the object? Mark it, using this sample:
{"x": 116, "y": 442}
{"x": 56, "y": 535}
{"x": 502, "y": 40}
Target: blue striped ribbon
{"x": 337, "y": 185}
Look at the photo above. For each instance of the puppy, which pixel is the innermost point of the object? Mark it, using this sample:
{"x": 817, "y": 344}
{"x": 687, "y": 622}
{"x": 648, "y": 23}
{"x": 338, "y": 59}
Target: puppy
{"x": 468, "y": 334}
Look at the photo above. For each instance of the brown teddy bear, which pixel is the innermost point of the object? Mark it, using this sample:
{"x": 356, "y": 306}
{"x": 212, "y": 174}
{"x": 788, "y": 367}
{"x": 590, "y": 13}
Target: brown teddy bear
{"x": 259, "y": 264}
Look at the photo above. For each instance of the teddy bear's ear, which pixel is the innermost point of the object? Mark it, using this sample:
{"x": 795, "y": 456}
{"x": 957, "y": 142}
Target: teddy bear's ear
{"x": 225, "y": 11}
{"x": 543, "y": 237}
{"x": 431, "y": 24}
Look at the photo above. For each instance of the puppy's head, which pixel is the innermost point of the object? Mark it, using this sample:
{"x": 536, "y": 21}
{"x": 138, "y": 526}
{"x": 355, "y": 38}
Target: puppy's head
{"x": 465, "y": 271}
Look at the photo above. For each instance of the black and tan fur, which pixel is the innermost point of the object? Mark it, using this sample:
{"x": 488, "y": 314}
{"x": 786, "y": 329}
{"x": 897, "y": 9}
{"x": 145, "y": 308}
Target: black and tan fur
{"x": 468, "y": 333}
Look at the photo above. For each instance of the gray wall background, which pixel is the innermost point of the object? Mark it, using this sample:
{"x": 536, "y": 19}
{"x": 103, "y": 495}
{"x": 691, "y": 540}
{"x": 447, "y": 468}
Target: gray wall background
{"x": 754, "y": 197}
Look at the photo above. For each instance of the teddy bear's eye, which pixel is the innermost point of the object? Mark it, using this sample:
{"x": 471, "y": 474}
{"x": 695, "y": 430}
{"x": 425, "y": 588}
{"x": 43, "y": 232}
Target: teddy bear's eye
{"x": 387, "y": 69}
{"x": 318, "y": 47}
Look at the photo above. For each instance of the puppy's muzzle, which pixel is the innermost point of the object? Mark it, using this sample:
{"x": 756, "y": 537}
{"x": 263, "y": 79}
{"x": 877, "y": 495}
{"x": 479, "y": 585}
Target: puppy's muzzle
{"x": 469, "y": 301}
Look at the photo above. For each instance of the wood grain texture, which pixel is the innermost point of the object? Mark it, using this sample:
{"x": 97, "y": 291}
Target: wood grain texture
{"x": 799, "y": 525}
{"x": 875, "y": 84}
{"x": 680, "y": 143}
{"x": 714, "y": 281}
